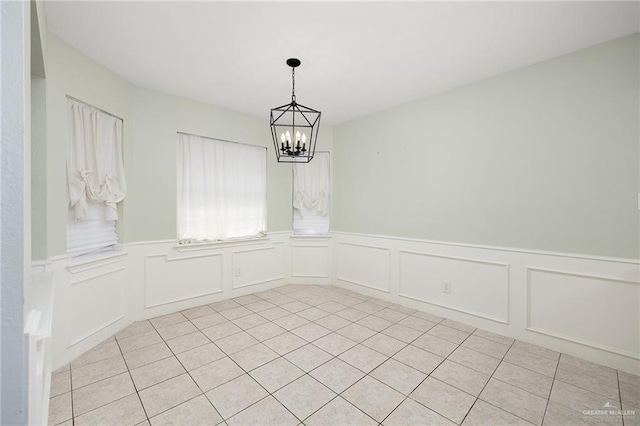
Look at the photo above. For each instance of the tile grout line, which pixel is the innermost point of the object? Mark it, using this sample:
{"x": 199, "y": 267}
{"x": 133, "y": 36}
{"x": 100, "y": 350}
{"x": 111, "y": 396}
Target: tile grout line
{"x": 311, "y": 343}
{"x": 186, "y": 371}
{"x": 553, "y": 382}
{"x": 336, "y": 356}
{"x": 144, "y": 410}
{"x": 106, "y": 378}
{"x": 418, "y": 385}
{"x": 365, "y": 373}
{"x": 272, "y": 393}
{"x": 73, "y": 417}
{"x": 620, "y": 398}
{"x": 248, "y": 372}
{"x": 305, "y": 372}
{"x": 430, "y": 375}
{"x": 485, "y": 385}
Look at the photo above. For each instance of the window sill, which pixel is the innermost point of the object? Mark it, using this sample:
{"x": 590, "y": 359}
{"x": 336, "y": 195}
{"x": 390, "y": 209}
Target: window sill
{"x": 314, "y": 237}
{"x": 220, "y": 244}
{"x": 85, "y": 263}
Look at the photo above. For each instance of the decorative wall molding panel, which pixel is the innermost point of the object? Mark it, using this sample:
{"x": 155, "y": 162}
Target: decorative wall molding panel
{"x": 169, "y": 280}
{"x": 591, "y": 310}
{"x": 98, "y": 302}
{"x": 476, "y": 287}
{"x": 310, "y": 260}
{"x": 258, "y": 265}
{"x": 109, "y": 258}
{"x": 580, "y": 305}
{"x": 363, "y": 264}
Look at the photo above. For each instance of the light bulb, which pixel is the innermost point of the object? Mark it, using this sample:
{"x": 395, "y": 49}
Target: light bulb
{"x": 282, "y": 137}
{"x": 288, "y": 136}
{"x": 297, "y": 136}
{"x": 304, "y": 137}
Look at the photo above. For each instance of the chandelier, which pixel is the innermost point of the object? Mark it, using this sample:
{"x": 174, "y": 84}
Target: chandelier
{"x": 294, "y": 127}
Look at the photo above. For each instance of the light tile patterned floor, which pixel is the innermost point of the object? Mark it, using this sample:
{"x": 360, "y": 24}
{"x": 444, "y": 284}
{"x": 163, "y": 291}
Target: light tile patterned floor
{"x": 321, "y": 355}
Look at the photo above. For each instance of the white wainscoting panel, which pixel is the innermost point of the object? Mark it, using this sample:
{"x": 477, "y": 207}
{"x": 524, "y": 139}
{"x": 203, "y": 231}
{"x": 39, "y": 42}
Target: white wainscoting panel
{"x": 584, "y": 306}
{"x": 97, "y": 302}
{"x": 478, "y": 287}
{"x": 258, "y": 265}
{"x": 169, "y": 280}
{"x": 309, "y": 260}
{"x": 364, "y": 265}
{"x": 592, "y": 310}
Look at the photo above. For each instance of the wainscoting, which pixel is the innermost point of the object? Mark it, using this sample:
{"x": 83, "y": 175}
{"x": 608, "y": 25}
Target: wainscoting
{"x": 584, "y": 306}
{"x": 96, "y": 298}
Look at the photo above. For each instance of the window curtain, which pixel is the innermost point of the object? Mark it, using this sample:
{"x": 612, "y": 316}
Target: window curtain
{"x": 311, "y": 183}
{"x": 95, "y": 168}
{"x": 222, "y": 189}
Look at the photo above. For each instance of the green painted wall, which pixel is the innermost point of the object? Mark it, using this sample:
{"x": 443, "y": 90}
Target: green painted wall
{"x": 544, "y": 157}
{"x": 70, "y": 72}
{"x": 151, "y": 120}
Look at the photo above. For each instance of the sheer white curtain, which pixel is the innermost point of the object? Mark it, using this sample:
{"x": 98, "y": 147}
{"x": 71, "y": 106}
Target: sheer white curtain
{"x": 222, "y": 189}
{"x": 311, "y": 184}
{"x": 95, "y": 178}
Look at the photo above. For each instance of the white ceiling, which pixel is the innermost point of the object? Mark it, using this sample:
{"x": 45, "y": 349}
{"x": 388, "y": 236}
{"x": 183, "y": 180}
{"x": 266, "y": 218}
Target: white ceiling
{"x": 357, "y": 57}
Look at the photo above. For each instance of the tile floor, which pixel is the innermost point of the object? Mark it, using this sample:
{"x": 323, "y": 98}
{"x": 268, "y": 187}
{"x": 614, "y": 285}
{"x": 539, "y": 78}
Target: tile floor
{"x": 317, "y": 355}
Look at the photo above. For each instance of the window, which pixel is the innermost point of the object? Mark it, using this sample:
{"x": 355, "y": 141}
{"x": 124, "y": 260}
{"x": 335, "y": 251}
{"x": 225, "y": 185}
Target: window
{"x": 91, "y": 234}
{"x": 222, "y": 189}
{"x": 311, "y": 183}
{"x": 95, "y": 178}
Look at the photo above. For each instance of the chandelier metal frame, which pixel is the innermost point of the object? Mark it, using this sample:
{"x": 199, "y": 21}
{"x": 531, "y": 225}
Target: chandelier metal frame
{"x": 288, "y": 121}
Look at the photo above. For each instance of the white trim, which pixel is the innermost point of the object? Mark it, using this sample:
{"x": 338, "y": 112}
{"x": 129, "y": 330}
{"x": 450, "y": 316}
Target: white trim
{"x": 167, "y": 259}
{"x": 387, "y": 249}
{"x": 463, "y": 259}
{"x": 220, "y": 244}
{"x": 507, "y": 284}
{"x": 310, "y": 276}
{"x": 181, "y": 300}
{"x": 579, "y": 275}
{"x": 252, "y": 283}
{"x": 310, "y": 237}
{"x": 364, "y": 285}
{"x": 142, "y": 243}
{"x": 96, "y": 262}
{"x": 453, "y": 308}
{"x": 92, "y": 277}
{"x": 561, "y": 336}
{"x": 94, "y": 331}
{"x": 258, "y": 248}
{"x": 175, "y": 241}
{"x": 364, "y": 245}
{"x": 40, "y": 266}
{"x": 486, "y": 247}
{"x": 584, "y": 343}
{"x": 328, "y": 259}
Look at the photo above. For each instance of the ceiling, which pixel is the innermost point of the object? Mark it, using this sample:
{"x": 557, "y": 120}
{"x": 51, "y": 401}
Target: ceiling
{"x": 357, "y": 57}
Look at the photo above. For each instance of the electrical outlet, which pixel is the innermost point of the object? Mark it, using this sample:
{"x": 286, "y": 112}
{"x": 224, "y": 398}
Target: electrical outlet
{"x": 238, "y": 272}
{"x": 446, "y": 287}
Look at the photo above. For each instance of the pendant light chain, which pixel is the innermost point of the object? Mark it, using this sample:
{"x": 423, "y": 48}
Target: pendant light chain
{"x": 293, "y": 84}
